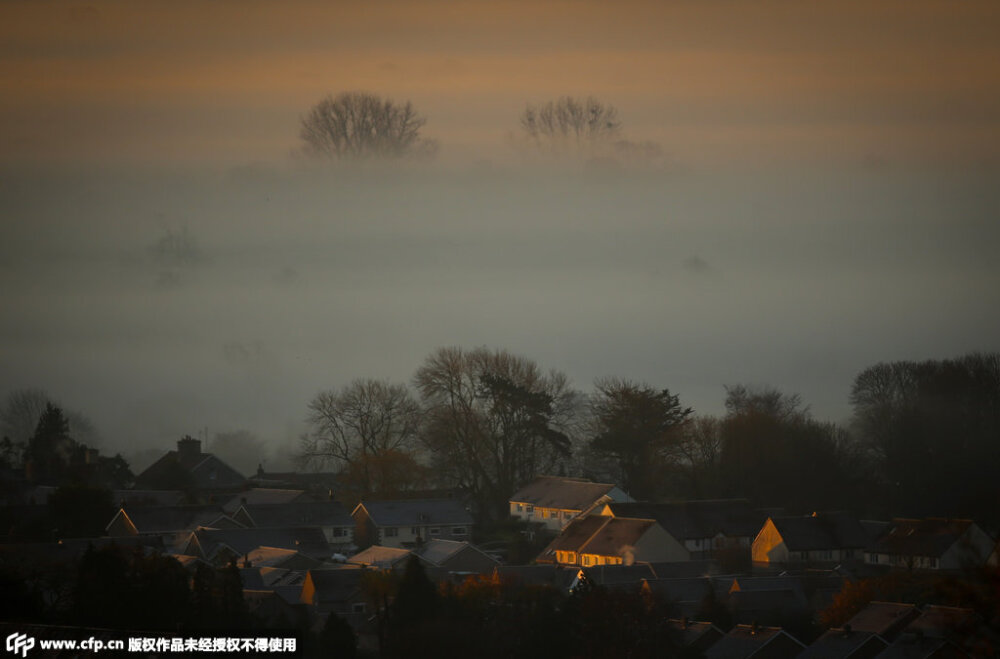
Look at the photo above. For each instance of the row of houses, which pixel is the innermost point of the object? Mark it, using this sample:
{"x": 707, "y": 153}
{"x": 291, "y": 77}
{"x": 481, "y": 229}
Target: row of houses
{"x": 595, "y": 528}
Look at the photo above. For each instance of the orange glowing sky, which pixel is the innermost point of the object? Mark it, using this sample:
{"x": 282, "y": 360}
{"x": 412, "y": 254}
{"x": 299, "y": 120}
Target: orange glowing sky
{"x": 226, "y": 81}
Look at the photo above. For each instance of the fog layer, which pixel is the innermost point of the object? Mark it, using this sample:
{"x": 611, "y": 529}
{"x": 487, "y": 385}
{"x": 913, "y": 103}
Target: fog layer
{"x": 161, "y": 303}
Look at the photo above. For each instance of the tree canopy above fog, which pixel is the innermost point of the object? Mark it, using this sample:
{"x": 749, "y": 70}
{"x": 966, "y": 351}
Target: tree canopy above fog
{"x": 359, "y": 125}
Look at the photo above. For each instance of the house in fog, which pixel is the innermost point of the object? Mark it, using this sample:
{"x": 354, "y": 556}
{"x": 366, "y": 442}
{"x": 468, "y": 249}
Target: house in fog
{"x": 817, "y": 539}
{"x": 705, "y": 528}
{"x": 331, "y": 517}
{"x": 408, "y": 523}
{"x": 554, "y": 502}
{"x": 188, "y": 468}
{"x": 449, "y": 555}
{"x": 336, "y": 590}
{"x": 931, "y": 544}
{"x": 603, "y": 540}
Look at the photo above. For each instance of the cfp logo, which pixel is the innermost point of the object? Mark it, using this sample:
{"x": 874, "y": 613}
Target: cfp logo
{"x": 20, "y": 643}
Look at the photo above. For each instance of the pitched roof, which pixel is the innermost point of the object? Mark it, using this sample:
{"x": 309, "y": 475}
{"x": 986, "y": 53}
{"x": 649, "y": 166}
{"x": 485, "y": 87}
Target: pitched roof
{"x": 921, "y": 537}
{"x": 379, "y": 556}
{"x": 206, "y": 469}
{"x": 309, "y": 541}
{"x": 833, "y": 530}
{"x": 883, "y": 618}
{"x": 945, "y": 621}
{"x": 279, "y": 557}
{"x": 412, "y": 512}
{"x": 264, "y": 495}
{"x": 690, "y": 632}
{"x": 334, "y": 585}
{"x": 698, "y": 519}
{"x": 577, "y": 533}
{"x": 299, "y": 513}
{"x": 561, "y": 493}
{"x": 438, "y": 551}
{"x": 841, "y": 643}
{"x": 744, "y": 640}
{"x": 616, "y": 536}
{"x": 165, "y": 519}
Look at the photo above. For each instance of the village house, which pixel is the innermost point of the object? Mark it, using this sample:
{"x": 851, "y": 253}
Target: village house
{"x": 817, "y": 539}
{"x": 336, "y": 590}
{"x": 931, "y": 544}
{"x": 766, "y": 600}
{"x": 329, "y": 516}
{"x": 222, "y": 546}
{"x": 705, "y": 528}
{"x": 554, "y": 501}
{"x": 189, "y": 468}
{"x": 604, "y": 540}
{"x": 408, "y": 523}
{"x": 449, "y": 555}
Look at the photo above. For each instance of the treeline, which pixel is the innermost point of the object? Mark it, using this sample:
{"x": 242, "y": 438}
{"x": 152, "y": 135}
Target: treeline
{"x": 43, "y": 442}
{"x": 924, "y": 438}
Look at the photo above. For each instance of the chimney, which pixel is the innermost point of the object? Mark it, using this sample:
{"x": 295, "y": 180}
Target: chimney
{"x": 188, "y": 446}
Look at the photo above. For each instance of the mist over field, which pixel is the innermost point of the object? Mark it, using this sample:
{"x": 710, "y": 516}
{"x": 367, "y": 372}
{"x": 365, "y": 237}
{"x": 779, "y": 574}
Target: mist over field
{"x": 796, "y": 192}
{"x": 162, "y": 303}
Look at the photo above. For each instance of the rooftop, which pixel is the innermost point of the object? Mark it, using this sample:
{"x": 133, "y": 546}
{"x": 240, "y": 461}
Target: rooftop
{"x": 561, "y": 493}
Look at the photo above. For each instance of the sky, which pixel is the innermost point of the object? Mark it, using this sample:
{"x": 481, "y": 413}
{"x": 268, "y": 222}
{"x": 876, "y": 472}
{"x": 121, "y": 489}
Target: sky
{"x": 824, "y": 198}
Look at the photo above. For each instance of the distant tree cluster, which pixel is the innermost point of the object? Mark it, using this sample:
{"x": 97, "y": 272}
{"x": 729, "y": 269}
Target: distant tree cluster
{"x": 487, "y": 421}
{"x": 570, "y": 121}
{"x": 358, "y": 125}
{"x": 933, "y": 429}
{"x": 42, "y": 441}
{"x": 354, "y": 126}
